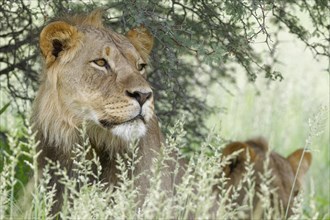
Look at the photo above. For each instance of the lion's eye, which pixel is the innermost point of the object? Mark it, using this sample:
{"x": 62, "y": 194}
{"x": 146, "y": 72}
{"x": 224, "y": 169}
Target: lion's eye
{"x": 101, "y": 62}
{"x": 141, "y": 66}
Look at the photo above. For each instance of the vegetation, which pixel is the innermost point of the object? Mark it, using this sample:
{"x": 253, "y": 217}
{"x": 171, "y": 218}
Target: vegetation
{"x": 194, "y": 195}
{"x": 230, "y": 50}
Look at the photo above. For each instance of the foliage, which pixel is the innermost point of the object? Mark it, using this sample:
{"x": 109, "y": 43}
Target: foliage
{"x": 197, "y": 43}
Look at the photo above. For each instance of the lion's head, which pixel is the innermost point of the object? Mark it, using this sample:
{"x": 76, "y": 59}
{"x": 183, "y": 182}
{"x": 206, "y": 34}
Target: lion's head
{"x": 96, "y": 75}
{"x": 283, "y": 172}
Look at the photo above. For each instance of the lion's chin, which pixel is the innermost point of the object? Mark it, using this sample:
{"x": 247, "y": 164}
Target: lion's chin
{"x": 130, "y": 131}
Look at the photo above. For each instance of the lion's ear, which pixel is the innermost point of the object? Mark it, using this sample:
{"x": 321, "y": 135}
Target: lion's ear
{"x": 245, "y": 152}
{"x": 306, "y": 161}
{"x": 56, "y": 39}
{"x": 239, "y": 146}
{"x": 142, "y": 40}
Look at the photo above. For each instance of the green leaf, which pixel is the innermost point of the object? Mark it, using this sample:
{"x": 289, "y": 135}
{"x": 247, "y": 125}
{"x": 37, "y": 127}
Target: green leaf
{"x": 3, "y": 109}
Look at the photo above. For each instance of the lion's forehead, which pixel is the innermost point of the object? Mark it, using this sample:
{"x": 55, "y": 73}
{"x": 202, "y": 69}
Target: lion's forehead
{"x": 101, "y": 33}
{"x": 277, "y": 163}
{"x": 98, "y": 38}
{"x": 105, "y": 43}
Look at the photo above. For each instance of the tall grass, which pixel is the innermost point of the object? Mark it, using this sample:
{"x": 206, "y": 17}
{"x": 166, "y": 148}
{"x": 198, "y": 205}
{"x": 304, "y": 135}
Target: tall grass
{"x": 84, "y": 199}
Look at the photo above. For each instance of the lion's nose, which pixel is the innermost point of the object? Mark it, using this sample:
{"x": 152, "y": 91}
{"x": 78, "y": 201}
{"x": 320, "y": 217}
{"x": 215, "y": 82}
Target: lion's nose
{"x": 141, "y": 97}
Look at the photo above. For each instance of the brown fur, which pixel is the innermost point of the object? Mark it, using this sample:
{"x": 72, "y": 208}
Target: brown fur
{"x": 74, "y": 90}
{"x": 283, "y": 170}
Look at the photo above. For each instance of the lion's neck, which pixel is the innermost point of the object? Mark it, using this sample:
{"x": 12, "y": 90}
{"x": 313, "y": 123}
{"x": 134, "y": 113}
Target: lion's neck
{"x": 58, "y": 133}
{"x": 53, "y": 122}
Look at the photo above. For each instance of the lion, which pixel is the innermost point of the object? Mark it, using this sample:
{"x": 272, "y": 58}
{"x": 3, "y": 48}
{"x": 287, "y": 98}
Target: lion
{"x": 283, "y": 171}
{"x": 95, "y": 76}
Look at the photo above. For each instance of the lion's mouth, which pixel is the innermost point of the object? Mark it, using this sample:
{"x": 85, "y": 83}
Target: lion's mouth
{"x": 107, "y": 124}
